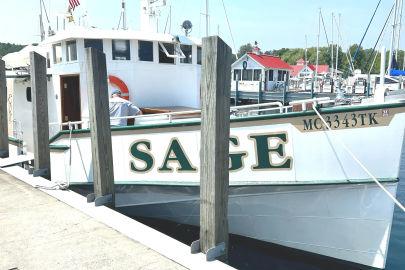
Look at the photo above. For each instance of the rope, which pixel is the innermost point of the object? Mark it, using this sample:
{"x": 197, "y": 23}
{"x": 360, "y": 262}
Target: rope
{"x": 359, "y": 162}
{"x": 229, "y": 27}
{"x": 365, "y": 33}
{"x": 382, "y": 34}
{"x": 324, "y": 29}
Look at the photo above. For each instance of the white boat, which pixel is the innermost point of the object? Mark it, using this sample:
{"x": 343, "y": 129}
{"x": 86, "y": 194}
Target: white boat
{"x": 291, "y": 181}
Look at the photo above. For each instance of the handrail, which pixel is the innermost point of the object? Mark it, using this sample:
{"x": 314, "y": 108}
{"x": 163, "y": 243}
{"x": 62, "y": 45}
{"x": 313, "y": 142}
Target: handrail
{"x": 233, "y": 109}
{"x": 358, "y": 161}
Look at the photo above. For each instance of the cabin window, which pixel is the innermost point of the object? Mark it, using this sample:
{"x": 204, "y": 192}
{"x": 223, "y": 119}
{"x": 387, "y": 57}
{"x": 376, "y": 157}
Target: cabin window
{"x": 166, "y": 53}
{"x": 94, "y": 43}
{"x": 199, "y": 55}
{"x": 256, "y": 74}
{"x": 247, "y": 74}
{"x": 28, "y": 94}
{"x": 121, "y": 50}
{"x": 71, "y": 50}
{"x": 57, "y": 53}
{"x": 236, "y": 74}
{"x": 271, "y": 75}
{"x": 188, "y": 52}
{"x": 145, "y": 51}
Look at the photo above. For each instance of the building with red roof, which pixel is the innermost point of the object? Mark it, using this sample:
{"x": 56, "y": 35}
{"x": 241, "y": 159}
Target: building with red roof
{"x": 255, "y": 70}
{"x": 302, "y": 69}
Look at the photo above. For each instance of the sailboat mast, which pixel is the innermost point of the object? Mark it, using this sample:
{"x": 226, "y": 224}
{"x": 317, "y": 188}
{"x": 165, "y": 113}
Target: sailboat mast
{"x": 332, "y": 70}
{"x": 317, "y": 47}
{"x": 399, "y": 26}
{"x": 394, "y": 26}
{"x": 207, "y": 18}
{"x": 41, "y": 22}
{"x": 337, "y": 45}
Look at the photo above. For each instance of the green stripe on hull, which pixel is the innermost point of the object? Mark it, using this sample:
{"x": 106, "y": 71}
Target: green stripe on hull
{"x": 258, "y": 183}
{"x": 245, "y": 119}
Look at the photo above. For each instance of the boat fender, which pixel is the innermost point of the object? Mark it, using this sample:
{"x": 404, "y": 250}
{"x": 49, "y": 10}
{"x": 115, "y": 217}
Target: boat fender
{"x": 120, "y": 84}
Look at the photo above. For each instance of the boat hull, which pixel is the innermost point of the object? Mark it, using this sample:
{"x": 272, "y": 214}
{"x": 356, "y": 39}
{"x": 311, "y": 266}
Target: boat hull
{"x": 350, "y": 222}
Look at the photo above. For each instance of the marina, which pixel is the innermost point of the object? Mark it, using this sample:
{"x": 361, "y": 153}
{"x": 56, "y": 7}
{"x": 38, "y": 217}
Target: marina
{"x": 222, "y": 151}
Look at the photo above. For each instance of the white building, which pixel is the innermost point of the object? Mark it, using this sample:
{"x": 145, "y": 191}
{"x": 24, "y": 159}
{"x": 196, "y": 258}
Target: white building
{"x": 251, "y": 69}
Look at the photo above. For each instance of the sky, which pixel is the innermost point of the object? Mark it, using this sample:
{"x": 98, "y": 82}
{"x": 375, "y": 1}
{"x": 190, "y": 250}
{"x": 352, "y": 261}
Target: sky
{"x": 274, "y": 24}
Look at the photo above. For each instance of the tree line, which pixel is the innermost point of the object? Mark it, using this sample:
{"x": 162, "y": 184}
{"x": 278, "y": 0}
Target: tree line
{"x": 364, "y": 59}
{"x": 6, "y": 48}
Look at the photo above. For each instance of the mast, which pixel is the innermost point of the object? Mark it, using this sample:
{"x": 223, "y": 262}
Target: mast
{"x": 317, "y": 47}
{"x": 333, "y": 72}
{"x": 207, "y": 19}
{"x": 399, "y": 26}
{"x": 41, "y": 23}
{"x": 337, "y": 45}
{"x": 394, "y": 27}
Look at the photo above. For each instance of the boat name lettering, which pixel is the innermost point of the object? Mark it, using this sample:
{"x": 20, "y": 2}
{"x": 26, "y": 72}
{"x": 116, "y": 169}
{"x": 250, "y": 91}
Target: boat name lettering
{"x": 337, "y": 121}
{"x": 269, "y": 151}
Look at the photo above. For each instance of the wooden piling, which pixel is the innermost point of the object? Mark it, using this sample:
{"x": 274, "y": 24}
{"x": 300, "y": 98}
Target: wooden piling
{"x": 214, "y": 179}
{"x": 97, "y": 91}
{"x": 4, "y": 149}
{"x": 40, "y": 122}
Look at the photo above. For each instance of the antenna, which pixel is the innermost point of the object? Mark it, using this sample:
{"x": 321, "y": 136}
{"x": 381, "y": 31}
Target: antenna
{"x": 124, "y": 15}
{"x": 187, "y": 27}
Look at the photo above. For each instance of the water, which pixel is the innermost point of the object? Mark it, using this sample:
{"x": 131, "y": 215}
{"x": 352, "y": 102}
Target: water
{"x": 251, "y": 254}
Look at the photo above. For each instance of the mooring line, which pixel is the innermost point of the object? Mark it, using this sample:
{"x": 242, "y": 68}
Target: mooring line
{"x": 358, "y": 161}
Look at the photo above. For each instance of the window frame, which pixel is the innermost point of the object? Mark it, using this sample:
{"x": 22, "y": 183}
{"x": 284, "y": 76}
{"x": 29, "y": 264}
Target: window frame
{"x": 68, "y": 55}
{"x": 145, "y": 58}
{"x": 237, "y": 72}
{"x": 183, "y": 59}
{"x": 124, "y": 54}
{"x": 99, "y": 41}
{"x": 270, "y": 75}
{"x": 249, "y": 75}
{"x": 257, "y": 72}
{"x": 57, "y": 60}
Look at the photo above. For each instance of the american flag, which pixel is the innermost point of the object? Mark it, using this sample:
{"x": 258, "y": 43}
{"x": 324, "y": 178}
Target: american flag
{"x": 73, "y": 4}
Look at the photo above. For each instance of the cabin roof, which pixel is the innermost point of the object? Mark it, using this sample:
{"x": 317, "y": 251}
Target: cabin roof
{"x": 269, "y": 61}
{"x": 296, "y": 69}
{"x": 96, "y": 33}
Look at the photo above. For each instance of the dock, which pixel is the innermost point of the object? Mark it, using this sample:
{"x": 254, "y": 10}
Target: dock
{"x": 43, "y": 228}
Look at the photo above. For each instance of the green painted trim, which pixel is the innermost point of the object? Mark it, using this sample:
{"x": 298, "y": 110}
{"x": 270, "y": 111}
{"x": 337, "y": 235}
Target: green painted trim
{"x": 244, "y": 184}
{"x": 59, "y": 147}
{"x": 245, "y": 119}
{"x": 14, "y": 140}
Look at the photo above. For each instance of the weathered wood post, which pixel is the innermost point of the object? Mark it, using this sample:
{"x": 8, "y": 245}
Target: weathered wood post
{"x": 214, "y": 155}
{"x": 40, "y": 122}
{"x": 4, "y": 150}
{"x": 97, "y": 91}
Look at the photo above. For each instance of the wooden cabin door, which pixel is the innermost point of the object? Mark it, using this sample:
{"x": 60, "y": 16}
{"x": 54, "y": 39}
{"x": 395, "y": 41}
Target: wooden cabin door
{"x": 70, "y": 99}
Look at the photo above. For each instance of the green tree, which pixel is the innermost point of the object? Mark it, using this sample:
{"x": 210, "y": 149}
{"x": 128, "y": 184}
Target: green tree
{"x": 6, "y": 48}
{"x": 244, "y": 49}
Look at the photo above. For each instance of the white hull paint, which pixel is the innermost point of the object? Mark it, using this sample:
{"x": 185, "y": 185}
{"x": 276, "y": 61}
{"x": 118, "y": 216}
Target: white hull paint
{"x": 308, "y": 193}
{"x": 347, "y": 222}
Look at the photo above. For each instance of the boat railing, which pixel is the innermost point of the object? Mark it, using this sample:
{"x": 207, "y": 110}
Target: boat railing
{"x": 169, "y": 117}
